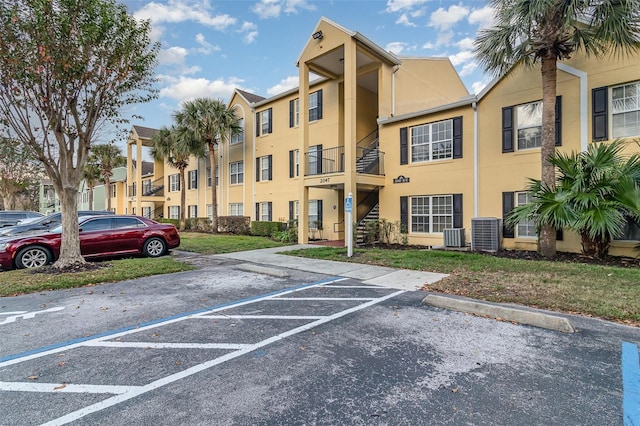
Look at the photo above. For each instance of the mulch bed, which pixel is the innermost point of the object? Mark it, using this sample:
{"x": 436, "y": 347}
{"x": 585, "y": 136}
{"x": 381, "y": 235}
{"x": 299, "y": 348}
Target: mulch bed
{"x": 79, "y": 267}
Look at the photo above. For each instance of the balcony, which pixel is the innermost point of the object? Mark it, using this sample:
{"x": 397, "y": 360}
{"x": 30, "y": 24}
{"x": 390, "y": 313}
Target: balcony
{"x": 331, "y": 160}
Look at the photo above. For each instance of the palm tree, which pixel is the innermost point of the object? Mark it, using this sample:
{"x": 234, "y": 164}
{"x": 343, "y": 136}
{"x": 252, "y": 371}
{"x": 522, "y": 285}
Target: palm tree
{"x": 207, "y": 121}
{"x": 106, "y": 157}
{"x": 527, "y": 32}
{"x": 167, "y": 146}
{"x": 91, "y": 175}
{"x": 596, "y": 192}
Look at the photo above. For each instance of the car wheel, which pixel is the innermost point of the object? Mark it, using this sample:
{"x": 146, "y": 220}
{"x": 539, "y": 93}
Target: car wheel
{"x": 33, "y": 257}
{"x": 154, "y": 247}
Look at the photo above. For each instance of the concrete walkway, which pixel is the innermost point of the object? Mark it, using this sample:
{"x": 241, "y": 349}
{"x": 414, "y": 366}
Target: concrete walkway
{"x": 401, "y": 279}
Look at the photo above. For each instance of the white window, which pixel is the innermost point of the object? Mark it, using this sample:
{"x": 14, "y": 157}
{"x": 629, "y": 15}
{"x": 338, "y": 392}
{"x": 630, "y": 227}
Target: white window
{"x": 265, "y": 168}
{"x": 625, "y": 110}
{"x": 146, "y": 212}
{"x": 265, "y": 211}
{"x": 112, "y": 190}
{"x": 209, "y": 176}
{"x": 315, "y": 105}
{"x": 236, "y": 171}
{"x": 238, "y": 137}
{"x": 265, "y": 122}
{"x": 209, "y": 212}
{"x": 314, "y": 217}
{"x": 193, "y": 211}
{"x": 192, "y": 178}
{"x": 174, "y": 183}
{"x": 174, "y": 212}
{"x": 296, "y": 157}
{"x": 296, "y": 112}
{"x": 529, "y": 122}
{"x": 315, "y": 160}
{"x": 236, "y": 209}
{"x": 525, "y": 229}
{"x": 431, "y": 213}
{"x": 146, "y": 186}
{"x": 433, "y": 141}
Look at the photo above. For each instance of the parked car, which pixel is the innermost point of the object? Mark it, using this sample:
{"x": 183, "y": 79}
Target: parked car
{"x": 100, "y": 236}
{"x": 11, "y": 217}
{"x": 44, "y": 223}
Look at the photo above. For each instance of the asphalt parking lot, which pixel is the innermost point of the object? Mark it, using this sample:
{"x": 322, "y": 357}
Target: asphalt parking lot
{"x": 227, "y": 345}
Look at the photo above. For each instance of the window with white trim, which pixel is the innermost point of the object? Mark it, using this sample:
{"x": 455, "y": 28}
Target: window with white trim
{"x": 192, "y": 179}
{"x": 146, "y": 212}
{"x": 265, "y": 168}
{"x": 313, "y": 214}
{"x": 431, "y": 213}
{"x": 625, "y": 110}
{"x": 236, "y": 171}
{"x": 238, "y": 137}
{"x": 193, "y": 210}
{"x": 236, "y": 209}
{"x": 112, "y": 188}
{"x": 315, "y": 106}
{"x": 529, "y": 125}
{"x": 265, "y": 211}
{"x": 432, "y": 141}
{"x": 209, "y": 176}
{"x": 174, "y": 212}
{"x": 524, "y": 229}
{"x": 174, "y": 183}
{"x": 265, "y": 122}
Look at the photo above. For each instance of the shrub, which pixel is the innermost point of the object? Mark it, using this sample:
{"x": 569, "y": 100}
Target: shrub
{"x": 289, "y": 235}
{"x": 198, "y": 224}
{"x": 239, "y": 225}
{"x": 266, "y": 229}
{"x": 174, "y": 222}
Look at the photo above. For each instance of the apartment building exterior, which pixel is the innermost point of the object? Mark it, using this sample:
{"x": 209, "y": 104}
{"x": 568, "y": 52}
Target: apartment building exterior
{"x": 404, "y": 137}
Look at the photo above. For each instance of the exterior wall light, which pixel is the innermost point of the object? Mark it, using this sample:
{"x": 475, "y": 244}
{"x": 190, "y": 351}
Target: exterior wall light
{"x": 317, "y": 35}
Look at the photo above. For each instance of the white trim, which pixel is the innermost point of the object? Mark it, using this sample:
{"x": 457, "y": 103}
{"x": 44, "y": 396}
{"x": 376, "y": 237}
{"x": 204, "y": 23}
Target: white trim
{"x": 584, "y": 142}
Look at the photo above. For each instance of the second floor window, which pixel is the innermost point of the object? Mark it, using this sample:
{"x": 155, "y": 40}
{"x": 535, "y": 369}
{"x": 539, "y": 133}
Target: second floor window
{"x": 236, "y": 171}
{"x": 174, "y": 183}
{"x": 529, "y": 122}
{"x": 433, "y": 141}
{"x": 192, "y": 179}
{"x": 264, "y": 167}
{"x": 315, "y": 106}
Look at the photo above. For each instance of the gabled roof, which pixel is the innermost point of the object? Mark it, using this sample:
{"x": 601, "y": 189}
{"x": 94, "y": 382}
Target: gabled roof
{"x": 249, "y": 97}
{"x": 145, "y": 132}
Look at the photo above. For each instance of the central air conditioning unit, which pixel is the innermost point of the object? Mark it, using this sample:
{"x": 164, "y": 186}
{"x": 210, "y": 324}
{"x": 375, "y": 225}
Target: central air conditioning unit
{"x": 454, "y": 237}
{"x": 486, "y": 233}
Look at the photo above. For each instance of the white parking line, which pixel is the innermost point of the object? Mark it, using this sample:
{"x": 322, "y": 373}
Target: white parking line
{"x": 278, "y": 317}
{"x": 157, "y": 345}
{"x": 64, "y": 387}
{"x": 323, "y": 298}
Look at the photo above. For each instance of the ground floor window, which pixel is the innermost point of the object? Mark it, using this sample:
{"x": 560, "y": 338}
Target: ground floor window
{"x": 431, "y": 213}
{"x": 236, "y": 209}
{"x": 193, "y": 211}
{"x": 174, "y": 212}
{"x": 146, "y": 212}
{"x": 264, "y": 211}
{"x": 630, "y": 231}
{"x": 525, "y": 229}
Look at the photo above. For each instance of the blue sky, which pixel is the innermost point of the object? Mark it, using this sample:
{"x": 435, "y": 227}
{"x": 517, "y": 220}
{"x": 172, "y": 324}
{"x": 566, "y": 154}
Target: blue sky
{"x": 209, "y": 48}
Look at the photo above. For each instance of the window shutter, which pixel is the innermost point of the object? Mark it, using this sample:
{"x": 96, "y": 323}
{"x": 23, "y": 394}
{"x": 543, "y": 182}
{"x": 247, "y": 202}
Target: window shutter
{"x": 291, "y": 163}
{"x": 404, "y": 148}
{"x": 291, "y": 207}
{"x": 320, "y": 104}
{"x": 558, "y": 120}
{"x": 257, "y": 124}
{"x": 507, "y": 129}
{"x": 319, "y": 156}
{"x": 269, "y": 206}
{"x": 292, "y": 111}
{"x": 404, "y": 214}
{"x": 599, "y": 114}
{"x": 457, "y": 210}
{"x": 457, "y": 137}
{"x": 271, "y": 167}
{"x": 507, "y": 206}
{"x": 258, "y": 164}
{"x": 257, "y": 211}
{"x": 270, "y": 114}
{"x": 319, "y": 206}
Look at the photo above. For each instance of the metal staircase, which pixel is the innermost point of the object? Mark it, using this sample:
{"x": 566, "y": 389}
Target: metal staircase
{"x": 361, "y": 229}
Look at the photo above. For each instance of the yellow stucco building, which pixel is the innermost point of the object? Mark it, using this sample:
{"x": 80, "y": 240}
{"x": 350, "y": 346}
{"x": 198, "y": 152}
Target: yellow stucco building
{"x": 404, "y": 137}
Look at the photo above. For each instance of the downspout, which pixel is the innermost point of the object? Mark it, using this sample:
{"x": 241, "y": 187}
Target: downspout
{"x": 583, "y": 102}
{"x": 253, "y": 167}
{"x": 476, "y": 171}
{"x": 393, "y": 89}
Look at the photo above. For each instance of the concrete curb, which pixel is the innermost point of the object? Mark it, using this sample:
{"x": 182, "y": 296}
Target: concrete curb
{"x": 536, "y": 319}
{"x": 249, "y": 267}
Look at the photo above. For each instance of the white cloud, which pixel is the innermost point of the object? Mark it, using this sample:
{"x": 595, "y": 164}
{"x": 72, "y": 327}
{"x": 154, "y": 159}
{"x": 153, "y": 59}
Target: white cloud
{"x": 403, "y": 5}
{"x": 404, "y": 20}
{"x": 468, "y": 68}
{"x": 428, "y": 45}
{"x": 250, "y": 37}
{"x": 205, "y": 47}
{"x": 273, "y": 8}
{"x": 477, "y": 86}
{"x": 397, "y": 47}
{"x": 172, "y": 56}
{"x": 461, "y": 57}
{"x": 445, "y": 19}
{"x": 482, "y": 17}
{"x": 444, "y": 38}
{"x": 186, "y": 88}
{"x": 466, "y": 43}
{"x": 178, "y": 11}
{"x": 284, "y": 85}
{"x": 250, "y": 31}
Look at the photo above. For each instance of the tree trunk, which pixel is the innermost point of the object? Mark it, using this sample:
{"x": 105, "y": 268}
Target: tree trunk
{"x": 594, "y": 248}
{"x": 70, "y": 248}
{"x": 547, "y": 239}
{"x": 107, "y": 187}
{"x": 214, "y": 201}
{"x": 183, "y": 200}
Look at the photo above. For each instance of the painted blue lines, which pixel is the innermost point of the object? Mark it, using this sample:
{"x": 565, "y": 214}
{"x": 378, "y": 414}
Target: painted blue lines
{"x": 630, "y": 384}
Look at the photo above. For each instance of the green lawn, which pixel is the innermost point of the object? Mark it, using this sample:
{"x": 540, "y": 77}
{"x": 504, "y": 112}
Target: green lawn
{"x": 223, "y": 243}
{"x": 608, "y": 292}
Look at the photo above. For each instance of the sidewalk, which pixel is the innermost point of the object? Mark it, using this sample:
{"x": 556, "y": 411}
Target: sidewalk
{"x": 401, "y": 279}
